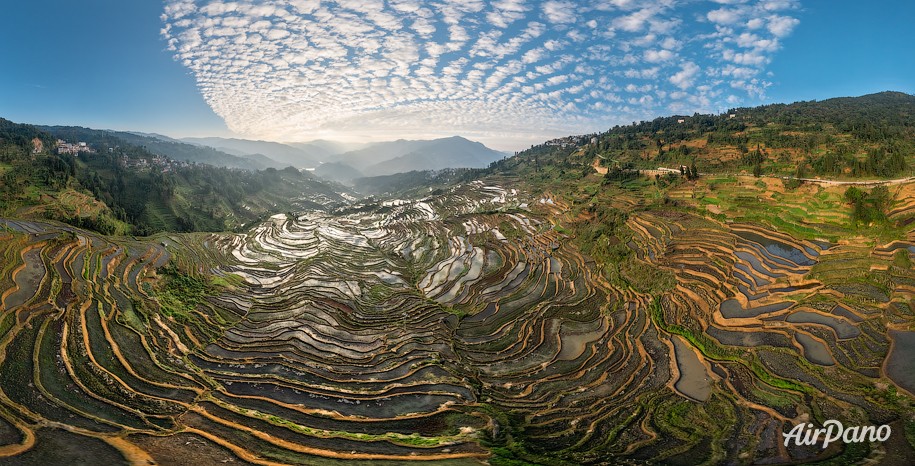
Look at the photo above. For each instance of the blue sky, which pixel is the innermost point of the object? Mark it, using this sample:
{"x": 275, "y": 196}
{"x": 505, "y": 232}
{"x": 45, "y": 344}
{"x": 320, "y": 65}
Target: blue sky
{"x": 96, "y": 63}
{"x": 506, "y": 72}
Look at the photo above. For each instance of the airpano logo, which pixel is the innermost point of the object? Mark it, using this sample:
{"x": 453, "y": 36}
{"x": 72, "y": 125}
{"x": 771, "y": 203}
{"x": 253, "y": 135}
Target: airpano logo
{"x": 832, "y": 431}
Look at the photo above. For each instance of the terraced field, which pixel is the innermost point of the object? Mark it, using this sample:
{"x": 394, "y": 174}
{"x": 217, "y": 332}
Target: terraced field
{"x": 459, "y": 328}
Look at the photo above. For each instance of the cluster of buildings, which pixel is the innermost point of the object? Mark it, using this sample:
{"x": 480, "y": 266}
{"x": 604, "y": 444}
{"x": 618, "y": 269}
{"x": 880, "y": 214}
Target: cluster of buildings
{"x": 569, "y": 141}
{"x": 64, "y": 147}
{"x": 158, "y": 162}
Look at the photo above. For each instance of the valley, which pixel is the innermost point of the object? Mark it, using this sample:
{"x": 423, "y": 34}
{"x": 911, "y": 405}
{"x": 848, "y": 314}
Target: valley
{"x": 457, "y": 233}
{"x": 451, "y": 328}
{"x": 568, "y": 305}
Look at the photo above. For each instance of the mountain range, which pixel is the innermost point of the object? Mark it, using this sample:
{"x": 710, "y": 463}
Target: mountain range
{"x": 304, "y": 156}
{"x": 331, "y": 160}
{"x": 346, "y": 162}
{"x": 402, "y": 156}
{"x": 164, "y": 145}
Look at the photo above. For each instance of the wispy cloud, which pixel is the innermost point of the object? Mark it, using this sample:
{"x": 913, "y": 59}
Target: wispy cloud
{"x": 506, "y": 70}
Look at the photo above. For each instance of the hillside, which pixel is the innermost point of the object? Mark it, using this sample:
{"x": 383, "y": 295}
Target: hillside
{"x": 156, "y": 144}
{"x": 453, "y": 152}
{"x": 264, "y": 161}
{"x": 365, "y": 157}
{"x": 411, "y": 183}
{"x": 34, "y": 182}
{"x": 337, "y": 171}
{"x": 401, "y": 156}
{"x": 123, "y": 188}
{"x": 868, "y": 136}
{"x": 325, "y": 150}
{"x": 282, "y": 153}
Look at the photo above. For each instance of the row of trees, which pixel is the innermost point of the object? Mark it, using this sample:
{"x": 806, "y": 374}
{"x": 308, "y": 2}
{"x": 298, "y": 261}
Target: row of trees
{"x": 882, "y": 162}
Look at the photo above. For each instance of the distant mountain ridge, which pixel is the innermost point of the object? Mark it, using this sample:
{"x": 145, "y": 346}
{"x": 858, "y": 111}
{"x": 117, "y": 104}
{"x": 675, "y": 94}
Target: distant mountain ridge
{"x": 380, "y": 152}
{"x": 439, "y": 154}
{"x": 341, "y": 162}
{"x": 331, "y": 160}
{"x": 338, "y": 171}
{"x": 330, "y": 149}
{"x": 402, "y": 156}
{"x": 282, "y": 153}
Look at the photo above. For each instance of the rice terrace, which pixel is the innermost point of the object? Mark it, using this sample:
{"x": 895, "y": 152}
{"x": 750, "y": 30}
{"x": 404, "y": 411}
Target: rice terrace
{"x": 706, "y": 278}
{"x": 586, "y": 321}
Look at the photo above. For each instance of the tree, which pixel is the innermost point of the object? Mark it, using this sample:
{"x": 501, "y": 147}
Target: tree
{"x": 870, "y": 207}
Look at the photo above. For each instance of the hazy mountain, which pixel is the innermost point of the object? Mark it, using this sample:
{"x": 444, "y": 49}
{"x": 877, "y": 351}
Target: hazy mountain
{"x": 282, "y": 153}
{"x": 260, "y": 161}
{"x": 401, "y": 156}
{"x": 338, "y": 171}
{"x": 346, "y": 160}
{"x": 265, "y": 161}
{"x": 325, "y": 150}
{"x": 163, "y": 145}
{"x": 149, "y": 135}
{"x": 453, "y": 152}
{"x": 380, "y": 152}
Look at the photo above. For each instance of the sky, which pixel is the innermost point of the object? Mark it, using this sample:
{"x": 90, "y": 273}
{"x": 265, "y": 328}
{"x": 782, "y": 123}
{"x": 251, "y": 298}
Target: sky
{"x": 508, "y": 73}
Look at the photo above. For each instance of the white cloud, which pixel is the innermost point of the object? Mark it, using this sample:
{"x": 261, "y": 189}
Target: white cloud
{"x": 646, "y": 73}
{"x": 739, "y": 72}
{"x": 685, "y": 78}
{"x": 560, "y": 11}
{"x": 756, "y": 23}
{"x": 781, "y": 26}
{"x": 505, "y": 12}
{"x": 622, "y": 4}
{"x": 634, "y": 22}
{"x": 724, "y": 16}
{"x": 632, "y": 88}
{"x": 655, "y": 56}
{"x": 491, "y": 69}
{"x": 753, "y": 58}
{"x": 777, "y": 5}
{"x": 671, "y": 44}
